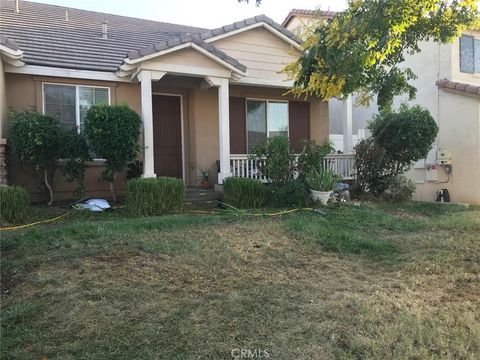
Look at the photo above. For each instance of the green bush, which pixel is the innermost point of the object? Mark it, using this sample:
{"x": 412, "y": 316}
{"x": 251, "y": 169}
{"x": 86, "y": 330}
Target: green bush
{"x": 14, "y": 204}
{"x": 244, "y": 193}
{"x": 278, "y": 161}
{"x": 113, "y": 133}
{"x": 292, "y": 193}
{"x": 154, "y": 196}
{"x": 402, "y": 189}
{"x": 39, "y": 141}
{"x": 311, "y": 157}
{"x": 373, "y": 166}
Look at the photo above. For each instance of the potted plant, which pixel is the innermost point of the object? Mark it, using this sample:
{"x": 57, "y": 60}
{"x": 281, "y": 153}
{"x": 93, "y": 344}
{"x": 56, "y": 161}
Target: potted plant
{"x": 203, "y": 178}
{"x": 322, "y": 183}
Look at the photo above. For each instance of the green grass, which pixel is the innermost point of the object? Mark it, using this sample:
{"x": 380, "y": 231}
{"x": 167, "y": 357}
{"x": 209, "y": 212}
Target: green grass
{"x": 376, "y": 281}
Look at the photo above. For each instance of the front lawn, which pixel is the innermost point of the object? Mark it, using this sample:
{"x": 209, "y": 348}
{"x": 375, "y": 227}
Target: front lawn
{"x": 377, "y": 281}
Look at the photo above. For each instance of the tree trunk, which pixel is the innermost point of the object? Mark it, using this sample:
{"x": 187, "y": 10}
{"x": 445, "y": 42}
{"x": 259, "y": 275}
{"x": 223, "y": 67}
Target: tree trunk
{"x": 112, "y": 191}
{"x": 49, "y": 187}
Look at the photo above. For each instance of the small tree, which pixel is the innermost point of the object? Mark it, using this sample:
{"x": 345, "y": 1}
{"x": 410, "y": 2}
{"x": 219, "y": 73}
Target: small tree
{"x": 112, "y": 133}
{"x": 406, "y": 136}
{"x": 36, "y": 140}
{"x": 39, "y": 141}
{"x": 311, "y": 157}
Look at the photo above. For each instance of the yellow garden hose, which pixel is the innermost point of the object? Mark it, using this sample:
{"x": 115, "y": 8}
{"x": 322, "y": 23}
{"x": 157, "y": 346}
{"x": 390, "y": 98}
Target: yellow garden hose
{"x": 36, "y": 223}
{"x": 242, "y": 212}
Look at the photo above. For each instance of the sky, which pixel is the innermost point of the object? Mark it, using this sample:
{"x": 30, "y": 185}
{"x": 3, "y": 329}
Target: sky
{"x": 201, "y": 13}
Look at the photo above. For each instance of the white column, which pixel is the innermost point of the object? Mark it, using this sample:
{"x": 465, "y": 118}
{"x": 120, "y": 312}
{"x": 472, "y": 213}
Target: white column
{"x": 224, "y": 130}
{"x": 348, "y": 125}
{"x": 146, "y": 77}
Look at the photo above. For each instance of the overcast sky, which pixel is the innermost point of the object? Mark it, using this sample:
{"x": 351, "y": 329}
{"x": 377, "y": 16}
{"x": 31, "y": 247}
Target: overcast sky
{"x": 202, "y": 13}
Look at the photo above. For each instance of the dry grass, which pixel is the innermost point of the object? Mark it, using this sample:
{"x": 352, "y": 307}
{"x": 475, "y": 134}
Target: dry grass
{"x": 379, "y": 283}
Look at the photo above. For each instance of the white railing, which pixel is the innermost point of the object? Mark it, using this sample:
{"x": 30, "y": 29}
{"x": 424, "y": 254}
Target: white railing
{"x": 242, "y": 166}
{"x": 342, "y": 164}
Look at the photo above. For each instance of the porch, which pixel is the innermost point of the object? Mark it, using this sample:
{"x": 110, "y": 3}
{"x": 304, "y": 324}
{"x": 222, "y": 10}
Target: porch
{"x": 243, "y": 166}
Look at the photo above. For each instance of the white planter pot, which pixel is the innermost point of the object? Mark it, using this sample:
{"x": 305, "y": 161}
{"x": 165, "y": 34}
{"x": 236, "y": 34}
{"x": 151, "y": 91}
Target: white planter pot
{"x": 321, "y": 196}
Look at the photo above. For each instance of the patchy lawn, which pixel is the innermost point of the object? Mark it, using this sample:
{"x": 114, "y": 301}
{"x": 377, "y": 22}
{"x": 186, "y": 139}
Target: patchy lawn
{"x": 377, "y": 282}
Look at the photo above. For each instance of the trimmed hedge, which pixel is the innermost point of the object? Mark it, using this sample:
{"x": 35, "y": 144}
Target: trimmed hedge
{"x": 155, "y": 196}
{"x": 14, "y": 204}
{"x": 244, "y": 193}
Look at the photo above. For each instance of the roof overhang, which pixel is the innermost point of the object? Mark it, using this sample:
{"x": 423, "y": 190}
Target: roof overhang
{"x": 11, "y": 56}
{"x": 131, "y": 67}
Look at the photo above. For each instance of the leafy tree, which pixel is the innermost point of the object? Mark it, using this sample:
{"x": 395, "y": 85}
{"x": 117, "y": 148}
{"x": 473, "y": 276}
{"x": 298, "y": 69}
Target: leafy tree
{"x": 398, "y": 140}
{"x": 406, "y": 135}
{"x": 360, "y": 49}
{"x": 39, "y": 141}
{"x": 112, "y": 133}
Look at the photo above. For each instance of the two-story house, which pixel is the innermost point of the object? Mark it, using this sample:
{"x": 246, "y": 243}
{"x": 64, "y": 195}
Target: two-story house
{"x": 448, "y": 85}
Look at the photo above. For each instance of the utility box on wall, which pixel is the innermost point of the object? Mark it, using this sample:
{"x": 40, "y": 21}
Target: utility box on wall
{"x": 431, "y": 172}
{"x": 444, "y": 157}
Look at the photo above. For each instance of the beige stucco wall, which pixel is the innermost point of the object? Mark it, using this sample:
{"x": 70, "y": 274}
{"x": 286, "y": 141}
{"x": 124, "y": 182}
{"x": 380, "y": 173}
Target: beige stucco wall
{"x": 25, "y": 93}
{"x": 264, "y": 53}
{"x": 459, "y": 133}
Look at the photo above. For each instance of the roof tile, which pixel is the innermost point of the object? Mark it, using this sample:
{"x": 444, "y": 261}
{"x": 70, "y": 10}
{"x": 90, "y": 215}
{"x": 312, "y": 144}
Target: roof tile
{"x": 459, "y": 88}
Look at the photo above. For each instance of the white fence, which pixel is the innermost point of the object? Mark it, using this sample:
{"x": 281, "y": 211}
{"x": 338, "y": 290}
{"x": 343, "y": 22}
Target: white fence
{"x": 243, "y": 166}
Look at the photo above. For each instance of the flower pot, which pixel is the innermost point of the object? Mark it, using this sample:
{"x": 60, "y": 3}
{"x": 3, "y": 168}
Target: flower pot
{"x": 205, "y": 184}
{"x": 321, "y": 196}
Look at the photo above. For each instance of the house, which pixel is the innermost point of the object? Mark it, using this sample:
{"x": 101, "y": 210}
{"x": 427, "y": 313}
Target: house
{"x": 204, "y": 96}
{"x": 448, "y": 85}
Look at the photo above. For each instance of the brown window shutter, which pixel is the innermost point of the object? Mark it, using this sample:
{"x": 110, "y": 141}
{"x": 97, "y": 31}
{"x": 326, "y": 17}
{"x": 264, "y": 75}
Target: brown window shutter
{"x": 238, "y": 127}
{"x": 298, "y": 123}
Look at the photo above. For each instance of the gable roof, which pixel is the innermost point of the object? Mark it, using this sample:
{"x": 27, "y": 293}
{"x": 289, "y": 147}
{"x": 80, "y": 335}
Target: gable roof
{"x": 308, "y": 13}
{"x": 63, "y": 37}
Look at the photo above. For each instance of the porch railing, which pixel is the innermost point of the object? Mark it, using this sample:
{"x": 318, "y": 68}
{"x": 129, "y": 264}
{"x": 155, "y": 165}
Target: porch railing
{"x": 242, "y": 166}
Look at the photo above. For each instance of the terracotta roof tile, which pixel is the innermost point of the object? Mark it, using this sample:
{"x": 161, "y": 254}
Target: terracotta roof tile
{"x": 459, "y": 88}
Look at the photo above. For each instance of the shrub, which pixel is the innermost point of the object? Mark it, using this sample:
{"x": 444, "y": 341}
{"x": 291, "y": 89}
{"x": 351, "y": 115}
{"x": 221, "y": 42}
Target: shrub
{"x": 40, "y": 142}
{"x": 406, "y": 135}
{"x": 373, "y": 167}
{"x": 400, "y": 190}
{"x": 311, "y": 157}
{"x": 154, "y": 196}
{"x": 279, "y": 162}
{"x": 292, "y": 193}
{"x": 113, "y": 132}
{"x": 74, "y": 150}
{"x": 244, "y": 193}
{"x": 14, "y": 204}
{"x": 324, "y": 180}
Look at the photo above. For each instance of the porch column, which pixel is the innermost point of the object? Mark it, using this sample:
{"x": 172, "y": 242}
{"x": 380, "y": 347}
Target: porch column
{"x": 348, "y": 125}
{"x": 223, "y": 130}
{"x": 145, "y": 77}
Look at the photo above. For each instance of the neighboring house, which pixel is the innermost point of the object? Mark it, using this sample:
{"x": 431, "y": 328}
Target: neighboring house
{"x": 448, "y": 85}
{"x": 205, "y": 96}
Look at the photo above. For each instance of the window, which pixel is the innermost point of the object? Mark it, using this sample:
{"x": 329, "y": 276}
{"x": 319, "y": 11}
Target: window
{"x": 265, "y": 119}
{"x": 71, "y": 102}
{"x": 469, "y": 54}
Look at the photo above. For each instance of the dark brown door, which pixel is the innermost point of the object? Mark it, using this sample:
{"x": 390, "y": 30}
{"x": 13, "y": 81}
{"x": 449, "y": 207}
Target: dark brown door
{"x": 167, "y": 135}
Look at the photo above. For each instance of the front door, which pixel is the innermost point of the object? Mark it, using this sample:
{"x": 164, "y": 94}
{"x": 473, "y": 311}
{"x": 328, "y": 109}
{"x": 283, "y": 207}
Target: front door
{"x": 167, "y": 135}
